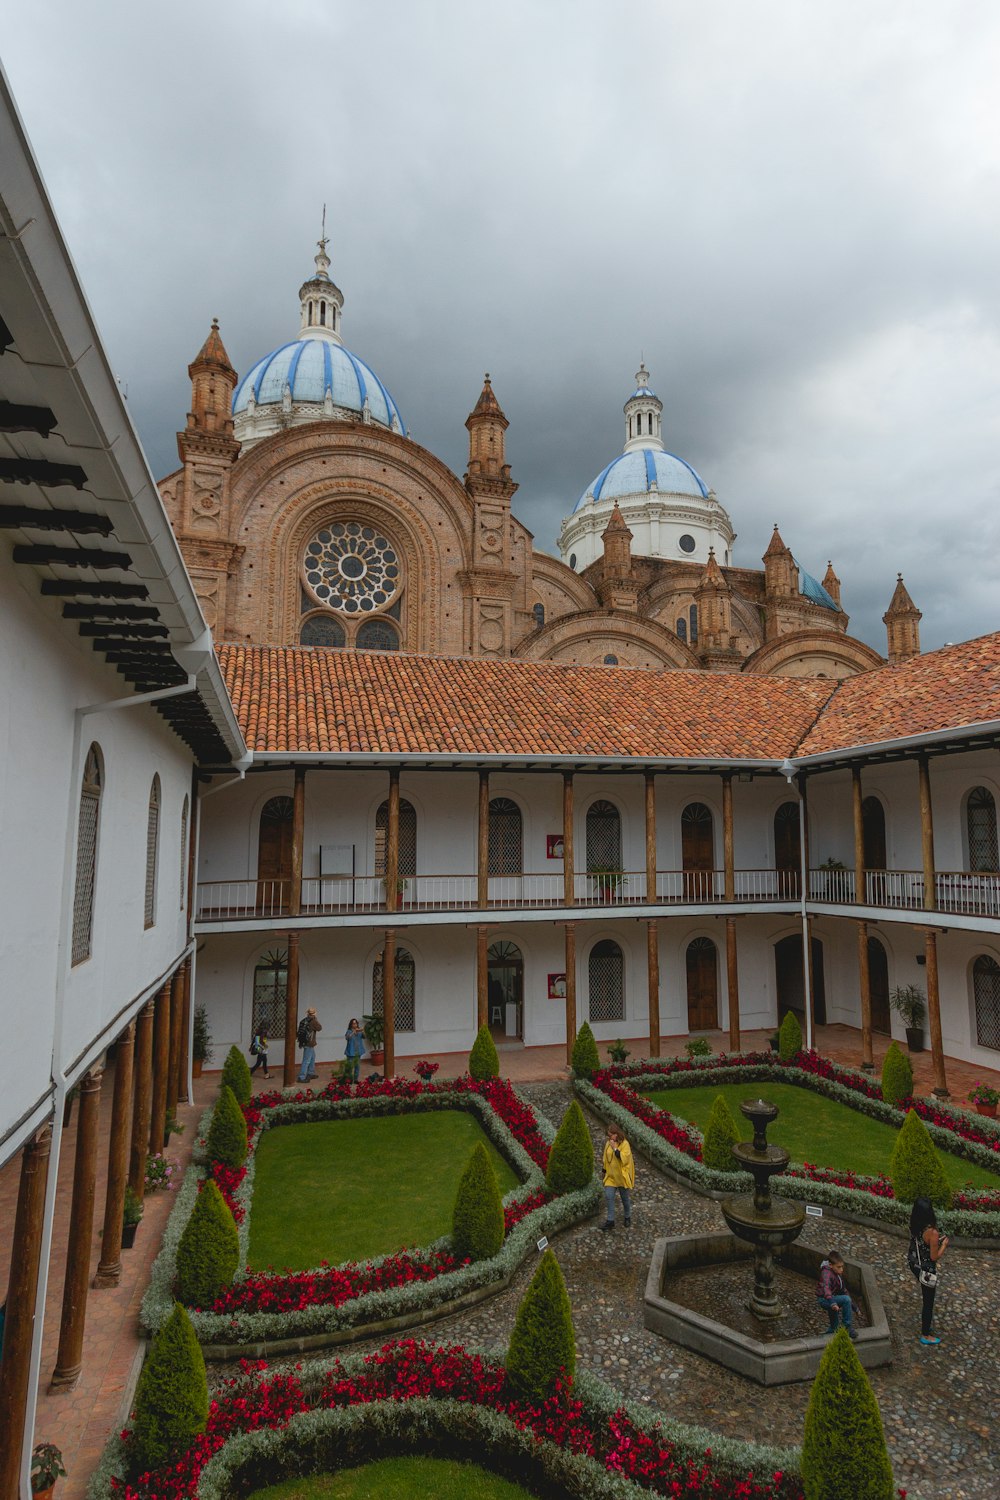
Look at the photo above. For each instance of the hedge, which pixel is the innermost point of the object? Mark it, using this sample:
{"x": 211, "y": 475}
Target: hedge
{"x": 483, "y": 1060}
{"x": 571, "y": 1157}
{"x": 227, "y": 1134}
{"x": 897, "y": 1075}
{"x": 209, "y": 1251}
{"x": 789, "y": 1037}
{"x": 477, "y": 1221}
{"x": 542, "y": 1345}
{"x": 585, "y": 1059}
{"x": 236, "y": 1073}
{"x": 844, "y": 1456}
{"x": 916, "y": 1168}
{"x": 171, "y": 1399}
{"x": 721, "y": 1135}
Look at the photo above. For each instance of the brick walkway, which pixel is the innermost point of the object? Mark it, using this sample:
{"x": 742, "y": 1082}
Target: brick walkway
{"x": 81, "y": 1420}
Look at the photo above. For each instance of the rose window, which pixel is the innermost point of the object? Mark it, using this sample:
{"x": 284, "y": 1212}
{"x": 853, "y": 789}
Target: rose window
{"x": 351, "y": 567}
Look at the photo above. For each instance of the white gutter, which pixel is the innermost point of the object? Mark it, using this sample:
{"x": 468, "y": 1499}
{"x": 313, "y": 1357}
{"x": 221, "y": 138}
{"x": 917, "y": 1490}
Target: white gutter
{"x": 904, "y": 742}
{"x": 583, "y": 763}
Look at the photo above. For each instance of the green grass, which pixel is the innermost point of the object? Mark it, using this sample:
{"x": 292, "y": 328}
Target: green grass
{"x": 399, "y": 1479}
{"x": 813, "y": 1128}
{"x": 342, "y": 1190}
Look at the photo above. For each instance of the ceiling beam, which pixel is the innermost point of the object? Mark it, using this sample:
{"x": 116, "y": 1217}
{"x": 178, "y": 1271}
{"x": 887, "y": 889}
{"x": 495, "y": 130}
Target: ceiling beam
{"x": 16, "y": 418}
{"x": 127, "y": 630}
{"x": 95, "y": 611}
{"x": 60, "y": 588}
{"x": 28, "y": 518}
{"x": 41, "y": 471}
{"x": 44, "y": 555}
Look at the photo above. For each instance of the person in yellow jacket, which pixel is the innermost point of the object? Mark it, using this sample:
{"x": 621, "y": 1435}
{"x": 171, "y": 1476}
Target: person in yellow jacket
{"x": 619, "y": 1177}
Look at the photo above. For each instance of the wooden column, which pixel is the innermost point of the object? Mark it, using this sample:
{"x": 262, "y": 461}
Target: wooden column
{"x": 653, "y": 979}
{"x": 860, "y": 893}
{"x": 934, "y": 1016}
{"x": 926, "y": 832}
{"x": 570, "y": 989}
{"x": 176, "y": 1025}
{"x": 389, "y": 1001}
{"x": 392, "y": 846}
{"x": 733, "y": 984}
{"x": 865, "y": 990}
{"x": 109, "y": 1270}
{"x": 22, "y": 1285}
{"x": 298, "y": 840}
{"x": 569, "y": 890}
{"x": 650, "y": 781}
{"x": 728, "y": 846}
{"x": 482, "y": 978}
{"x": 141, "y": 1104}
{"x": 81, "y": 1234}
{"x": 483, "y": 843}
{"x": 161, "y": 1064}
{"x": 291, "y": 1009}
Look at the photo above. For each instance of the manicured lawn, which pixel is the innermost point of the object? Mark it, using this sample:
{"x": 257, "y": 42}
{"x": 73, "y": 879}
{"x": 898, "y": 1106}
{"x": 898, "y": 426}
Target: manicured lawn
{"x": 340, "y": 1190}
{"x": 399, "y": 1479}
{"x": 814, "y": 1129}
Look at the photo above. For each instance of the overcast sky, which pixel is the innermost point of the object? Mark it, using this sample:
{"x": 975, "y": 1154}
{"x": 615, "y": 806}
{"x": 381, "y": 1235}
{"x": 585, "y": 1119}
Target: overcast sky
{"x": 791, "y": 209}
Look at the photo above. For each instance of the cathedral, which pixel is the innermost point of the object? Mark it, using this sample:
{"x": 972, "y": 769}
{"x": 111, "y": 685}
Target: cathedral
{"x": 307, "y": 516}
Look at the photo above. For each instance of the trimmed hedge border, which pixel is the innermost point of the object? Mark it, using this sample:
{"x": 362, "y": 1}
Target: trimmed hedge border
{"x": 328, "y": 1439}
{"x": 974, "y": 1230}
{"x": 231, "y": 1335}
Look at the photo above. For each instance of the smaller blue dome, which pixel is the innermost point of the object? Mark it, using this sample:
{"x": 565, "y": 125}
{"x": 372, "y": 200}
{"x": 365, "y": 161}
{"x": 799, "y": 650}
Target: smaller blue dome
{"x": 311, "y": 367}
{"x": 642, "y": 470}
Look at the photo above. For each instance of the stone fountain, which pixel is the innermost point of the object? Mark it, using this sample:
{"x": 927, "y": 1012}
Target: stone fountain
{"x": 696, "y": 1291}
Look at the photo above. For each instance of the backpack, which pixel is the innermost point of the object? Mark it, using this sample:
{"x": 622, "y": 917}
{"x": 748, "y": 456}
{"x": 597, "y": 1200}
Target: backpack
{"x": 254, "y": 1047}
{"x": 302, "y": 1035}
{"x": 914, "y": 1257}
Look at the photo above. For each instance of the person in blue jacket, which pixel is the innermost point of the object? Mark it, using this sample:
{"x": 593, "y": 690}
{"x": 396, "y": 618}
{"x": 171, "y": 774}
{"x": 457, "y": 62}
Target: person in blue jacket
{"x": 354, "y": 1050}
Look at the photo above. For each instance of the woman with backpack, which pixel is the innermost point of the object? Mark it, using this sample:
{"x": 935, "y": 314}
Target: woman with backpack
{"x": 927, "y": 1246}
{"x": 258, "y": 1048}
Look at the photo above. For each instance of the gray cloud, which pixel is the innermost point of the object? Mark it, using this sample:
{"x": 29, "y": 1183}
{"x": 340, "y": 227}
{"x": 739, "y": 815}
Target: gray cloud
{"x": 791, "y": 210}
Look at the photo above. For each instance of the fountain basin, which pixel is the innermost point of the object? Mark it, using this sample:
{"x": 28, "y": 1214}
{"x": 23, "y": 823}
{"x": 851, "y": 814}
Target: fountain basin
{"x": 767, "y": 1360}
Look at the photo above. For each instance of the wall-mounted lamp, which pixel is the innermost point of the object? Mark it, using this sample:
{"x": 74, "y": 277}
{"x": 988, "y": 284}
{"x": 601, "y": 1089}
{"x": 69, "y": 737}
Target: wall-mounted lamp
{"x": 745, "y": 776}
{"x": 921, "y": 958}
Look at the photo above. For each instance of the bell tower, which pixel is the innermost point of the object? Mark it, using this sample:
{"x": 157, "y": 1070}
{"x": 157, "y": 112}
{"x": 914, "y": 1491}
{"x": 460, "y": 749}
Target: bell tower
{"x": 489, "y": 583}
{"x": 617, "y": 587}
{"x": 902, "y": 622}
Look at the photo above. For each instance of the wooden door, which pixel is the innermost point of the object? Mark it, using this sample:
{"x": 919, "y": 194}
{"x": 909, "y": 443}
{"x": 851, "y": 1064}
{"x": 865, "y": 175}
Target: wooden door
{"x": 873, "y": 847}
{"x": 878, "y": 986}
{"x": 697, "y": 852}
{"x": 274, "y": 855}
{"x": 702, "y": 985}
{"x": 788, "y": 851}
{"x": 790, "y": 984}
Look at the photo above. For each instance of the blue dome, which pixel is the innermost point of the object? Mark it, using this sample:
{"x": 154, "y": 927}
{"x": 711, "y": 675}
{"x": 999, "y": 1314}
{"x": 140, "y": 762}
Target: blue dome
{"x": 311, "y": 367}
{"x": 641, "y": 470}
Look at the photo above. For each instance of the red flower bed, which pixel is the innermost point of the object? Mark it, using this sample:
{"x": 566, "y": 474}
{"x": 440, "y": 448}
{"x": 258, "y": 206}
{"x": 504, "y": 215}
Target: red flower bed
{"x": 408, "y": 1369}
{"x": 331, "y": 1286}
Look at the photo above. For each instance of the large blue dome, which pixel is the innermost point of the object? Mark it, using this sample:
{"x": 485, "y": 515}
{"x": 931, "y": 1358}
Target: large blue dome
{"x": 644, "y": 469}
{"x": 311, "y": 368}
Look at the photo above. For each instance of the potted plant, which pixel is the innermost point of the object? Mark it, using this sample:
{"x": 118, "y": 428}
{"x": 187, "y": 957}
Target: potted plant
{"x": 46, "y": 1468}
{"x": 618, "y": 1051}
{"x": 425, "y": 1070}
{"x": 699, "y": 1046}
{"x": 985, "y": 1097}
{"x": 832, "y": 887}
{"x": 607, "y": 883}
{"x": 201, "y": 1041}
{"x": 374, "y": 1030}
{"x": 131, "y": 1214}
{"x": 401, "y": 884}
{"x": 910, "y": 1003}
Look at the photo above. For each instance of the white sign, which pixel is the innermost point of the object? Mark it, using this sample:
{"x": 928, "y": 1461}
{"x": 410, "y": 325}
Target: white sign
{"x": 814, "y": 1211}
{"x": 543, "y": 1243}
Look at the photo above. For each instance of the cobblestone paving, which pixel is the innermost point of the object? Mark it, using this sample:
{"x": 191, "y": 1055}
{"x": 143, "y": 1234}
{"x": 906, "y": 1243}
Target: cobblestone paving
{"x": 940, "y": 1406}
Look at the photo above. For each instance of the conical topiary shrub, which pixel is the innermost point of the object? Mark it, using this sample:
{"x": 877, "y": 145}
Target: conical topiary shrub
{"x": 209, "y": 1250}
{"x": 915, "y": 1168}
{"x": 571, "y": 1155}
{"x": 542, "y": 1343}
{"x": 721, "y": 1135}
{"x": 789, "y": 1037}
{"x": 585, "y": 1060}
{"x": 483, "y": 1060}
{"x": 227, "y": 1134}
{"x": 477, "y": 1225}
{"x": 844, "y": 1456}
{"x": 171, "y": 1399}
{"x": 236, "y": 1072}
{"x": 897, "y": 1076}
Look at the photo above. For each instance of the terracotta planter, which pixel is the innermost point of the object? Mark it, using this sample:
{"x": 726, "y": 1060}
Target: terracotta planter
{"x": 196, "y": 1066}
{"x": 43, "y": 1494}
{"x": 376, "y": 1057}
{"x": 989, "y": 1110}
{"x": 915, "y": 1038}
{"x": 128, "y": 1235}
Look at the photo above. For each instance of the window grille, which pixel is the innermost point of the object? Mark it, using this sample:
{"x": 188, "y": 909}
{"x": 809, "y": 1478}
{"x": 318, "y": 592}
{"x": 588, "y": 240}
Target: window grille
{"x": 407, "y": 838}
{"x": 322, "y": 630}
{"x": 986, "y": 993}
{"x": 505, "y": 845}
{"x": 86, "y": 856}
{"x": 377, "y": 635}
{"x": 981, "y": 826}
{"x": 184, "y": 850}
{"x": 682, "y": 629}
{"x": 405, "y": 993}
{"x": 693, "y": 617}
{"x": 611, "y": 660}
{"x": 604, "y": 837}
{"x": 606, "y": 982}
{"x": 538, "y": 612}
{"x": 152, "y": 843}
{"x": 270, "y": 993}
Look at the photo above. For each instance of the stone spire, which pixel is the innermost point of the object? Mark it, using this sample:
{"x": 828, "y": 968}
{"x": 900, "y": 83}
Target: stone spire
{"x": 832, "y": 583}
{"x": 617, "y": 586}
{"x": 643, "y": 414}
{"x": 902, "y": 622}
{"x": 213, "y": 381}
{"x": 321, "y": 302}
{"x": 486, "y": 426}
{"x": 489, "y": 582}
{"x": 714, "y": 599}
{"x": 780, "y": 572}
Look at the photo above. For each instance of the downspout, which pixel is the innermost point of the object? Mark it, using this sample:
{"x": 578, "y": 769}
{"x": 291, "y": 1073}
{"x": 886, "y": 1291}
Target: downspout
{"x": 791, "y": 776}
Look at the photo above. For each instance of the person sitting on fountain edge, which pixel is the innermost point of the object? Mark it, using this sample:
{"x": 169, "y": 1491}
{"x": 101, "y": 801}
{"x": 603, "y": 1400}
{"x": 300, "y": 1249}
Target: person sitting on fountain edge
{"x": 832, "y": 1293}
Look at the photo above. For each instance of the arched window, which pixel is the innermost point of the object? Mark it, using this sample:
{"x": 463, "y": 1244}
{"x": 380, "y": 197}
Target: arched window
{"x": 538, "y": 611}
{"x": 506, "y": 855}
{"x": 322, "y": 315}
{"x": 604, "y": 837}
{"x": 405, "y": 993}
{"x": 310, "y": 312}
{"x": 322, "y": 630}
{"x": 986, "y": 997}
{"x": 701, "y": 962}
{"x": 270, "y": 990}
{"x": 611, "y": 660}
{"x": 152, "y": 850}
{"x": 606, "y": 975}
{"x": 981, "y": 829}
{"x": 693, "y": 617}
{"x": 86, "y": 855}
{"x": 407, "y": 839}
{"x": 274, "y": 854}
{"x": 184, "y": 850}
{"x": 651, "y": 424}
{"x": 682, "y": 629}
{"x": 697, "y": 851}
{"x": 787, "y": 850}
{"x": 377, "y": 635}
{"x": 878, "y": 987}
{"x": 873, "y": 833}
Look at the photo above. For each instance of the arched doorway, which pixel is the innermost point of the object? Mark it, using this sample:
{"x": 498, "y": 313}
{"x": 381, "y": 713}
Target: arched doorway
{"x": 702, "y": 962}
{"x": 790, "y": 986}
{"x": 506, "y": 990}
{"x": 274, "y": 855}
{"x": 606, "y": 982}
{"x": 878, "y": 987}
{"x": 697, "y": 851}
{"x": 873, "y": 846}
{"x": 788, "y": 851}
{"x": 404, "y": 989}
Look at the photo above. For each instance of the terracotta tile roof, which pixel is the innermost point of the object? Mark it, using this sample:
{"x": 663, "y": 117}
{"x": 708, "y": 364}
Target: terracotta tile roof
{"x": 944, "y": 689}
{"x": 306, "y": 699}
